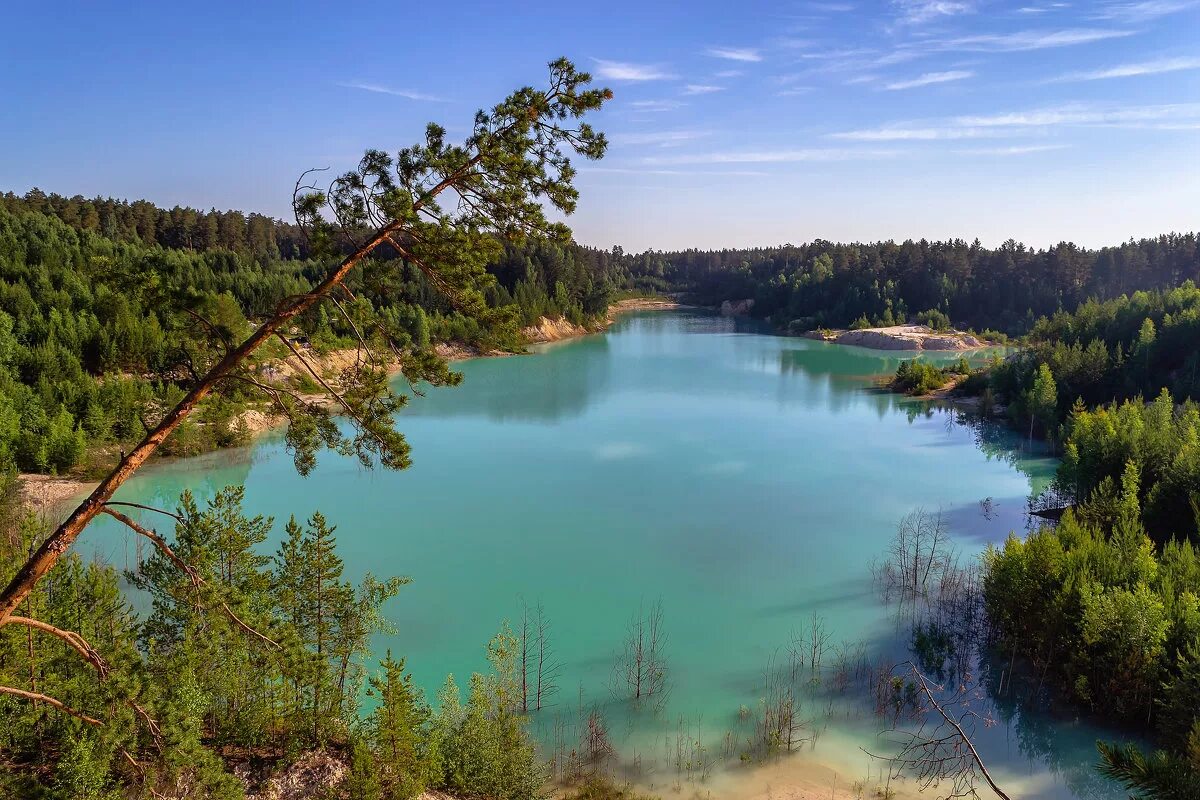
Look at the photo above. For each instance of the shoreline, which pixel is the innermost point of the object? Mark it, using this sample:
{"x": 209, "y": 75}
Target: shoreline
{"x": 917, "y": 338}
{"x": 43, "y": 494}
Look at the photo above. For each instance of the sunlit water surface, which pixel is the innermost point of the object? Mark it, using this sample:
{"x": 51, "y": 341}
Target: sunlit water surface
{"x": 746, "y": 480}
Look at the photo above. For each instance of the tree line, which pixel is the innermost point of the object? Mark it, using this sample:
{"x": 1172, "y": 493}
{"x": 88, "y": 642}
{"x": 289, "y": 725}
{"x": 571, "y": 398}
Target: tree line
{"x": 1005, "y": 289}
{"x": 98, "y": 322}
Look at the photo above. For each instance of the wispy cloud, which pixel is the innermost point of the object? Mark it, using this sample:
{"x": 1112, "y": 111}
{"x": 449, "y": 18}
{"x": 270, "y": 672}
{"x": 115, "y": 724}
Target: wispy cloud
{"x": 730, "y": 73}
{"x": 735, "y": 53}
{"x": 1015, "y": 150}
{"x": 773, "y": 156}
{"x": 652, "y": 171}
{"x": 1030, "y": 40}
{"x": 660, "y": 138}
{"x": 655, "y": 105}
{"x": 915, "y": 12}
{"x": 905, "y": 133}
{"x": 930, "y": 78}
{"x": 701, "y": 88}
{"x": 1042, "y": 9}
{"x": 627, "y": 71}
{"x": 407, "y": 94}
{"x": 1084, "y": 115}
{"x": 1156, "y": 67}
{"x": 1143, "y": 11}
{"x": 1180, "y": 116}
{"x": 794, "y": 91}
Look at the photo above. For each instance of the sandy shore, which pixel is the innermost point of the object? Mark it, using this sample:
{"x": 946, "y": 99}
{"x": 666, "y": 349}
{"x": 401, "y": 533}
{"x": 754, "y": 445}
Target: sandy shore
{"x": 902, "y": 337}
{"x": 47, "y": 494}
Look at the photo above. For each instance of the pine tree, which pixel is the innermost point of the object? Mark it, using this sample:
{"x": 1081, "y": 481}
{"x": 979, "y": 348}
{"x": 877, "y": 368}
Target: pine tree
{"x": 398, "y": 730}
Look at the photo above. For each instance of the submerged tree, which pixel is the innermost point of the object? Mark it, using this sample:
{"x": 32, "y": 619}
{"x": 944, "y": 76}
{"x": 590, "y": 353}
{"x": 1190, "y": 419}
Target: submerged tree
{"x": 441, "y": 208}
{"x": 640, "y": 669}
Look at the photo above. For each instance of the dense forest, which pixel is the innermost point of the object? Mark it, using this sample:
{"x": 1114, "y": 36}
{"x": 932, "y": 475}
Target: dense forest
{"x": 101, "y": 300}
{"x": 1007, "y": 289}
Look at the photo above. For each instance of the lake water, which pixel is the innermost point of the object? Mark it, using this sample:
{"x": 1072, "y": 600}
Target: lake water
{"x": 746, "y": 481}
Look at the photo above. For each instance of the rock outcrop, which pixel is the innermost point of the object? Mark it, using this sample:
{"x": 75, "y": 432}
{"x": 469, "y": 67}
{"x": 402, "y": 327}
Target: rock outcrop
{"x": 737, "y": 308}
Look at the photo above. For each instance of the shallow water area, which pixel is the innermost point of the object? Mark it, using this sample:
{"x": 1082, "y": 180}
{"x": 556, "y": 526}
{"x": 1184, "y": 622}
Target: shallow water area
{"x": 746, "y": 481}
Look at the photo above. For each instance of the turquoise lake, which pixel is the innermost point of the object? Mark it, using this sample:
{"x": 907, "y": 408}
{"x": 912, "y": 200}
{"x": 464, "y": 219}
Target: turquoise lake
{"x": 747, "y": 481}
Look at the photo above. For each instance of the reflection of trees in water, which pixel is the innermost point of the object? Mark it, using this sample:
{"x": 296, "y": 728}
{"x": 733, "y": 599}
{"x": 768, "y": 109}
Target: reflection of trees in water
{"x": 1043, "y": 736}
{"x": 545, "y": 387}
{"x": 1000, "y": 443}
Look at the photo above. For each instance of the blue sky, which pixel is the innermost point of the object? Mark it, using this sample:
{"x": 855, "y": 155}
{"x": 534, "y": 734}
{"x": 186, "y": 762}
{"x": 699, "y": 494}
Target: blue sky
{"x": 734, "y": 123}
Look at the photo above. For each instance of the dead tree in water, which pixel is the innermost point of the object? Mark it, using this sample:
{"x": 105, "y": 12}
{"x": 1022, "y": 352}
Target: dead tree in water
{"x": 938, "y": 750}
{"x": 916, "y": 557}
{"x": 539, "y": 669}
{"x": 640, "y": 669}
{"x": 546, "y": 666}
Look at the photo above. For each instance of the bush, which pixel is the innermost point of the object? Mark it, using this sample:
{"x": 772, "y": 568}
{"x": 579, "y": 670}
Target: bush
{"x": 918, "y": 377}
{"x": 937, "y": 320}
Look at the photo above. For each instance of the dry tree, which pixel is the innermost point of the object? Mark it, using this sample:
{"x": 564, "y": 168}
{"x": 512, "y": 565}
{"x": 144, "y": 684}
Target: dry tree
{"x": 936, "y": 749}
{"x": 640, "y": 668}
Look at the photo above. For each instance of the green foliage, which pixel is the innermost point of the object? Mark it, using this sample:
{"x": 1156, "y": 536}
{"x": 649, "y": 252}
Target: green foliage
{"x": 936, "y": 319}
{"x": 1008, "y": 288}
{"x": 398, "y": 731}
{"x": 484, "y": 748}
{"x": 917, "y": 377}
{"x": 1159, "y": 776}
{"x": 601, "y": 789}
{"x": 1111, "y": 622}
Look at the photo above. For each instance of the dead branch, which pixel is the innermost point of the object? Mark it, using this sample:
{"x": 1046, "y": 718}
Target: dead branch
{"x": 37, "y": 697}
{"x": 939, "y": 751}
{"x": 76, "y": 642}
{"x": 197, "y": 580}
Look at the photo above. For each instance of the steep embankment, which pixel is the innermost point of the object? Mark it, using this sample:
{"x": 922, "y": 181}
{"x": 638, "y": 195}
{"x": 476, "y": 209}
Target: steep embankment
{"x": 901, "y": 337}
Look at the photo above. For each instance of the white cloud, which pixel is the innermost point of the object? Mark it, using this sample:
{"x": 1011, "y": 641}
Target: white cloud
{"x": 699, "y": 88}
{"x": 660, "y": 138}
{"x": 794, "y": 91}
{"x": 735, "y": 53}
{"x": 1132, "y": 70}
{"x": 915, "y": 12}
{"x": 1030, "y": 40}
{"x": 407, "y": 94}
{"x": 903, "y": 133}
{"x": 817, "y": 155}
{"x": 1083, "y": 115}
{"x": 930, "y": 78}
{"x": 655, "y": 105}
{"x": 730, "y": 73}
{"x": 737, "y": 173}
{"x": 1143, "y": 11}
{"x": 1015, "y": 150}
{"x": 626, "y": 71}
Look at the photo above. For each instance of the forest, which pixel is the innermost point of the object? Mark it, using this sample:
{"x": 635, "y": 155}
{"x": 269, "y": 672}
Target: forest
{"x": 101, "y": 300}
{"x": 1006, "y": 289}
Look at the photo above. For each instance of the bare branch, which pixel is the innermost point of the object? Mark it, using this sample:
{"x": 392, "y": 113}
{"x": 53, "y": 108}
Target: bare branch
{"x": 38, "y": 697}
{"x": 76, "y": 642}
{"x": 197, "y": 580}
